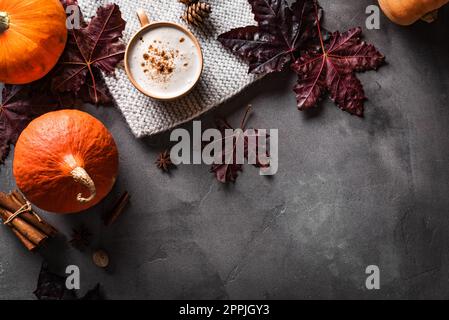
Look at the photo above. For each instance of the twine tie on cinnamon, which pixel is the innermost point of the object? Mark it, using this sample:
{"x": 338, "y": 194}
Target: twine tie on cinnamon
{"x": 26, "y": 207}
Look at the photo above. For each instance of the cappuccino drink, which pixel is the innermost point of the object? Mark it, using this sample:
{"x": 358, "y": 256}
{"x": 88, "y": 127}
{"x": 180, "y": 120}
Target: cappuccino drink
{"x": 164, "y": 61}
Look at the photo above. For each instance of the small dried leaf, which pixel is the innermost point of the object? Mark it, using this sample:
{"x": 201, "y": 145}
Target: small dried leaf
{"x": 51, "y": 286}
{"x": 228, "y": 169}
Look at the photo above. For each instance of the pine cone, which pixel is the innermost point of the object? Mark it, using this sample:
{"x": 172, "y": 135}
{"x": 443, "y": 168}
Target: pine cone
{"x": 187, "y": 2}
{"x": 196, "y": 13}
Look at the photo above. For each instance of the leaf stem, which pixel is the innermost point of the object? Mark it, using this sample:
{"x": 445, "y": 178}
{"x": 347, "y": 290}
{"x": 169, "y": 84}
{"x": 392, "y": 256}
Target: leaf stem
{"x": 245, "y": 117}
{"x": 319, "y": 28}
{"x": 93, "y": 82}
{"x": 113, "y": 7}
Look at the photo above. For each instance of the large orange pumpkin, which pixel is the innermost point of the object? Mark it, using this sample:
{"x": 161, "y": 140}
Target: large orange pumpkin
{"x": 33, "y": 35}
{"x": 406, "y": 12}
{"x": 65, "y": 161}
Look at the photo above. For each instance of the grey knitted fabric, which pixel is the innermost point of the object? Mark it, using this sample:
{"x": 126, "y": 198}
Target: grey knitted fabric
{"x": 223, "y": 76}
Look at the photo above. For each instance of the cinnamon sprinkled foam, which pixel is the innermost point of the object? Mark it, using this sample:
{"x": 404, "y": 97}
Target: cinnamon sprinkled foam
{"x": 164, "y": 61}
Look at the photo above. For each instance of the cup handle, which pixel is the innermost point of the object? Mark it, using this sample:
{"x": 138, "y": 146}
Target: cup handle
{"x": 143, "y": 18}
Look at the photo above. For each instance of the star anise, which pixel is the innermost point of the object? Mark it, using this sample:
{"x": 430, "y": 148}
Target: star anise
{"x": 164, "y": 162}
{"x": 81, "y": 237}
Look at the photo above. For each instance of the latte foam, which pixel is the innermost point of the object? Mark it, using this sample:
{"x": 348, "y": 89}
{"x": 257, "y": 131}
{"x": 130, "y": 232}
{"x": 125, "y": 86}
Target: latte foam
{"x": 164, "y": 61}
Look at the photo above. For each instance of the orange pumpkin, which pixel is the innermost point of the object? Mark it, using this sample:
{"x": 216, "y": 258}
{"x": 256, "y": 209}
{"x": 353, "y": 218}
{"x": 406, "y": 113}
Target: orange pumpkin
{"x": 65, "y": 161}
{"x": 406, "y": 12}
{"x": 33, "y": 35}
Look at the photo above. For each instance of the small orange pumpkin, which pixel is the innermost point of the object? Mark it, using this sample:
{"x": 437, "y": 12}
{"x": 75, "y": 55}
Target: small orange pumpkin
{"x": 65, "y": 161}
{"x": 33, "y": 35}
{"x": 407, "y": 12}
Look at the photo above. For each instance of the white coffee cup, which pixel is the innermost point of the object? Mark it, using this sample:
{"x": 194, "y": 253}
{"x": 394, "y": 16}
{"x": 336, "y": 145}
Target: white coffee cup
{"x": 163, "y": 60}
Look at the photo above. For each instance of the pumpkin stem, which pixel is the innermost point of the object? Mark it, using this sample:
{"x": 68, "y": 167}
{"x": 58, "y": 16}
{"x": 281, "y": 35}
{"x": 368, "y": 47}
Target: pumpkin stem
{"x": 81, "y": 176}
{"x": 4, "y": 21}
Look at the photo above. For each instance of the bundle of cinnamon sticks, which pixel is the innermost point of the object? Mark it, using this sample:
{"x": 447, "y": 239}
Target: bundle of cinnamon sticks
{"x": 29, "y": 228}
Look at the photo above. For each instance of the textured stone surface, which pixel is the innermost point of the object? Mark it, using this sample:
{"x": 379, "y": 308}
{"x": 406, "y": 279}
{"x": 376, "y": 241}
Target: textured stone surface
{"x": 350, "y": 192}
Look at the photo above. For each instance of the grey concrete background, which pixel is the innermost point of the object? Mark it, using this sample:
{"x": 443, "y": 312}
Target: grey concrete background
{"x": 350, "y": 192}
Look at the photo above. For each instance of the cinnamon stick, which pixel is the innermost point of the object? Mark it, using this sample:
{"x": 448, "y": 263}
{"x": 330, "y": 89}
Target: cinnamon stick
{"x": 14, "y": 201}
{"x": 7, "y": 202}
{"x": 28, "y": 231}
{"x": 117, "y": 210}
{"x": 27, "y": 243}
{"x": 43, "y": 226}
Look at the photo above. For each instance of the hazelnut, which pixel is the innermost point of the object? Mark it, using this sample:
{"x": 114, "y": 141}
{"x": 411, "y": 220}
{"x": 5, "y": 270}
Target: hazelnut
{"x": 100, "y": 258}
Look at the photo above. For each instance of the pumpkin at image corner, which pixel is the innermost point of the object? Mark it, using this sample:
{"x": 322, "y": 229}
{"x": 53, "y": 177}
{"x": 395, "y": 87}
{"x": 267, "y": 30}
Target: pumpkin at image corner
{"x": 407, "y": 12}
{"x": 65, "y": 161}
{"x": 33, "y": 35}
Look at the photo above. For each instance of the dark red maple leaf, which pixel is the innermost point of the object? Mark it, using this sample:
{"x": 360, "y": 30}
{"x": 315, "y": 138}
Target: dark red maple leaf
{"x": 66, "y": 3}
{"x": 18, "y": 106}
{"x": 52, "y": 286}
{"x": 282, "y": 30}
{"x": 91, "y": 49}
{"x": 71, "y": 15}
{"x": 332, "y": 69}
{"x": 325, "y": 62}
{"x": 228, "y": 168}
